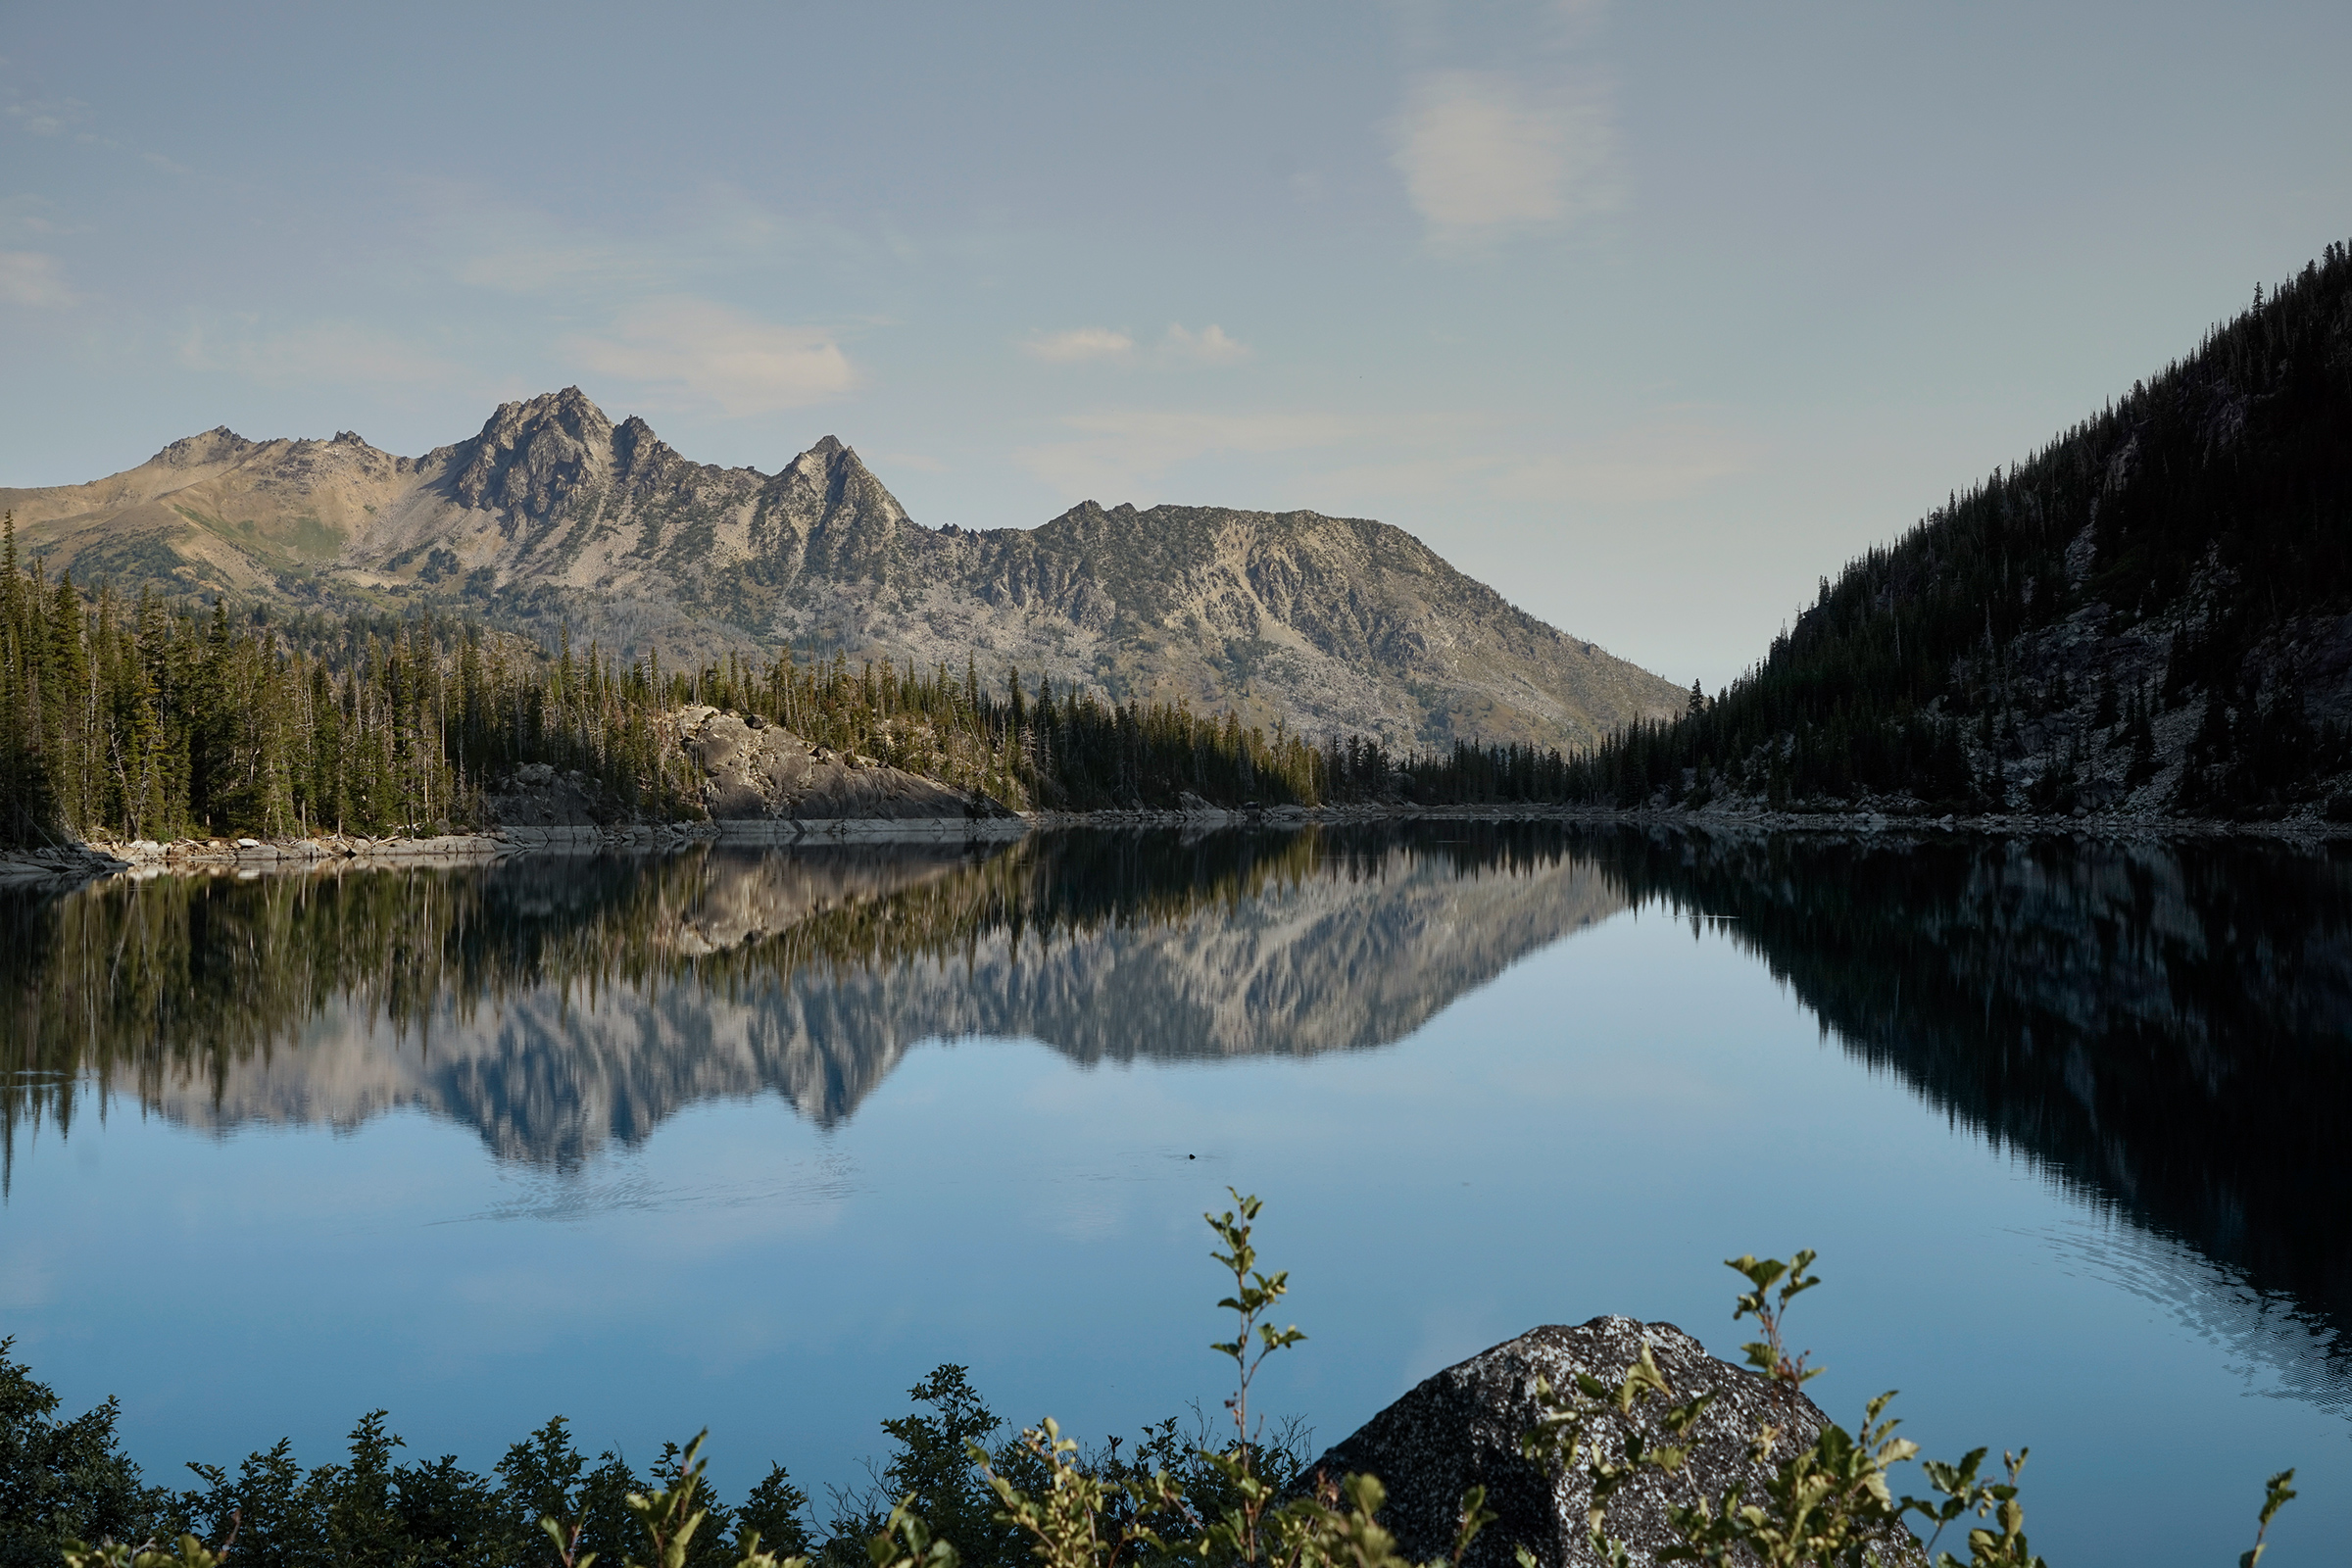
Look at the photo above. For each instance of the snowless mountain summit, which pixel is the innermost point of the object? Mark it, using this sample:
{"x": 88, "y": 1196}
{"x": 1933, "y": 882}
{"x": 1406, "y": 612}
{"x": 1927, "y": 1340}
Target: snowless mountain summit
{"x": 552, "y": 516}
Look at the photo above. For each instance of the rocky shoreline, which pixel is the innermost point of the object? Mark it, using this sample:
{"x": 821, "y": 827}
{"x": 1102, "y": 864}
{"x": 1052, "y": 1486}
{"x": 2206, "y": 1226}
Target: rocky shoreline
{"x": 71, "y": 863}
{"x": 250, "y": 857}
{"x": 2007, "y": 824}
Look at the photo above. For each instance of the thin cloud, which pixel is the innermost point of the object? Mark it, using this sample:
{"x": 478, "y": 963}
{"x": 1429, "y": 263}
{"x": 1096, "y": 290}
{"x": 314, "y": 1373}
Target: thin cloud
{"x": 51, "y": 118}
{"x": 1116, "y": 453}
{"x": 712, "y": 229}
{"x": 33, "y": 280}
{"x": 1670, "y": 456}
{"x": 535, "y": 268}
{"x": 1078, "y": 345}
{"x": 697, "y": 351}
{"x": 1208, "y": 346}
{"x": 1482, "y": 157}
{"x": 333, "y": 353}
{"x": 1666, "y": 459}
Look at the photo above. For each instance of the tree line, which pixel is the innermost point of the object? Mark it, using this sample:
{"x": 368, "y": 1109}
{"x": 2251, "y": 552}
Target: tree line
{"x": 69, "y": 1480}
{"x": 152, "y": 719}
{"x": 155, "y": 719}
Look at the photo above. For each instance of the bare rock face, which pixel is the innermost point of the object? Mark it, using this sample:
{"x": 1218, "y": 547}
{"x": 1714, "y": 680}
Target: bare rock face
{"x": 755, "y": 771}
{"x": 1461, "y": 1428}
{"x": 751, "y": 771}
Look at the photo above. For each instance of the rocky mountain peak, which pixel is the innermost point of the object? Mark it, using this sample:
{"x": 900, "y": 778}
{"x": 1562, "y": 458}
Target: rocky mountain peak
{"x": 824, "y": 466}
{"x": 844, "y": 490}
{"x": 220, "y": 444}
{"x": 569, "y": 412}
{"x": 532, "y": 455}
{"x": 636, "y": 450}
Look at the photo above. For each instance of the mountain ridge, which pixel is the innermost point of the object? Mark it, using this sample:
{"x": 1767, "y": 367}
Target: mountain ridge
{"x": 2151, "y": 614}
{"x": 553, "y": 515}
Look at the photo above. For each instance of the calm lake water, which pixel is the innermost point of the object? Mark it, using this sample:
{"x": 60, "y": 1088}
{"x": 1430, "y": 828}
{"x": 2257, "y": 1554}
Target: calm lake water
{"x": 753, "y": 1140}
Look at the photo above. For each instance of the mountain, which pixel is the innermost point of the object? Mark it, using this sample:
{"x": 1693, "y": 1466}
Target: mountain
{"x": 552, "y": 515}
{"x": 2153, "y": 613}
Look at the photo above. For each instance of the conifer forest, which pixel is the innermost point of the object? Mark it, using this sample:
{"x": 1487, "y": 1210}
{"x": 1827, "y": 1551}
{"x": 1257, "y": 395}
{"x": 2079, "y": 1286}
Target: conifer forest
{"x": 146, "y": 719}
{"x": 1974, "y": 665}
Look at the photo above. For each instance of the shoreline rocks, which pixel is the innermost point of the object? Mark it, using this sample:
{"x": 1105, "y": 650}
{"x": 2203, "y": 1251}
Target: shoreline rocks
{"x": 849, "y": 815}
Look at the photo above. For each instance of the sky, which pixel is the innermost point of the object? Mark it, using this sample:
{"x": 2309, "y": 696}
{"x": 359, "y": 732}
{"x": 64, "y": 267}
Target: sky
{"x": 1647, "y": 315}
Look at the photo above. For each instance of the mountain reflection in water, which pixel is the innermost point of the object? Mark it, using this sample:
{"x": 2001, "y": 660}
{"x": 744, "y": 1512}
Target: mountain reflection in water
{"x": 2164, "y": 1028}
{"x": 555, "y": 1005}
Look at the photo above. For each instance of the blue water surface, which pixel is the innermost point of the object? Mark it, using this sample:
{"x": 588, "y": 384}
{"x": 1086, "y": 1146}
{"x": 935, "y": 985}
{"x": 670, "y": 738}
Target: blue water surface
{"x": 1585, "y": 1115}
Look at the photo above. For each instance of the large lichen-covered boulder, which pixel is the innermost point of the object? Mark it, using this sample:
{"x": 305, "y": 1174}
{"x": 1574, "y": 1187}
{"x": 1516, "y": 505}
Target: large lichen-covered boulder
{"x": 1462, "y": 1427}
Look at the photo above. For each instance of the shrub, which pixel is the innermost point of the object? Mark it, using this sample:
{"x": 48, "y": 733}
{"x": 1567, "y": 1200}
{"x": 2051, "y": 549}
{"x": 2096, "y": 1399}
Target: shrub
{"x": 1236, "y": 1502}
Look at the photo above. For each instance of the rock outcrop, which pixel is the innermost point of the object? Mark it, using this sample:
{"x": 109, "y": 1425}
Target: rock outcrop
{"x": 1461, "y": 1428}
{"x": 755, "y": 772}
{"x": 552, "y": 516}
{"x": 541, "y": 795}
{"x": 752, "y": 772}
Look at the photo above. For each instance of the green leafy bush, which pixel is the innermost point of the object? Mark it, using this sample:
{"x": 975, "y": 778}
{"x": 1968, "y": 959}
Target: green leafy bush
{"x": 946, "y": 1499}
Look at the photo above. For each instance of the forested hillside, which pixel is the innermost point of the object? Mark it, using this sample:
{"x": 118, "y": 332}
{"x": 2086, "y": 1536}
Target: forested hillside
{"x": 146, "y": 719}
{"x": 2152, "y": 613}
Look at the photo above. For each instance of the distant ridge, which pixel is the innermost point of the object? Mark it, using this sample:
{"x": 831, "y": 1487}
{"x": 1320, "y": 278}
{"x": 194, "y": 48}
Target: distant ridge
{"x": 554, "y": 514}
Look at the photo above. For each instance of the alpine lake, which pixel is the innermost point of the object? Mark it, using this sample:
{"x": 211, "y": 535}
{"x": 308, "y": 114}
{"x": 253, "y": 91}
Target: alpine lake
{"x": 752, "y": 1138}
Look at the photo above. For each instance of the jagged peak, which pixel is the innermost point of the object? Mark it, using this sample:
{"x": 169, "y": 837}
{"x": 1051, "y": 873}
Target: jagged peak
{"x": 569, "y": 411}
{"x": 846, "y": 490}
{"x": 208, "y": 446}
{"x": 635, "y": 446}
{"x": 533, "y": 451}
{"x": 829, "y": 456}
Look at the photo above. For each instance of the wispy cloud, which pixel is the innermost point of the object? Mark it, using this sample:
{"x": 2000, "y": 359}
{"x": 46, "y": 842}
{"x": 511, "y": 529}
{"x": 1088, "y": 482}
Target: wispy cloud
{"x": 32, "y": 278}
{"x": 1081, "y": 344}
{"x": 1208, "y": 346}
{"x": 709, "y": 230}
{"x": 334, "y": 353}
{"x": 49, "y": 117}
{"x": 1078, "y": 345}
{"x": 1114, "y": 455}
{"x": 532, "y": 268}
{"x": 700, "y": 352}
{"x": 1482, "y": 155}
{"x": 1667, "y": 458}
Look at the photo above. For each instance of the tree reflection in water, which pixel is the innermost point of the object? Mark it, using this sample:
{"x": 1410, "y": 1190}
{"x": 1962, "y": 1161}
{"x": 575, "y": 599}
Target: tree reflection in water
{"x": 2165, "y": 1029}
